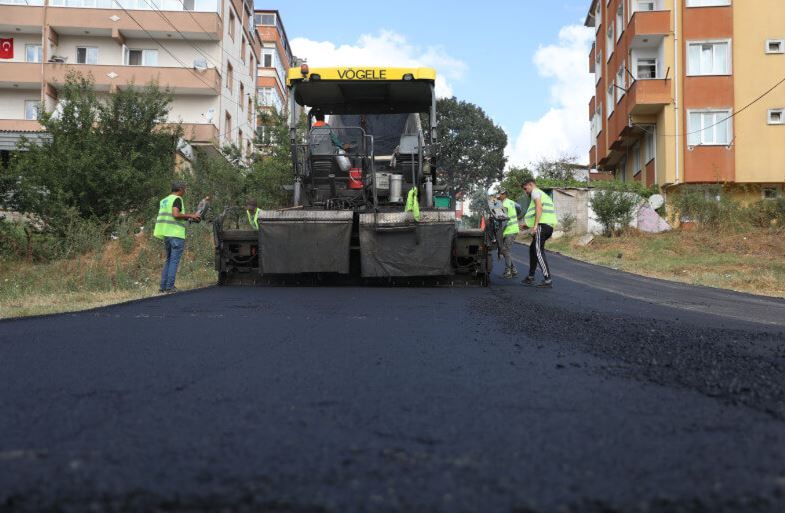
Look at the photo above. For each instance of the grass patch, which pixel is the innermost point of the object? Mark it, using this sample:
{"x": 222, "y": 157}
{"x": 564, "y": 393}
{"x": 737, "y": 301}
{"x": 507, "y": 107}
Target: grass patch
{"x": 751, "y": 261}
{"x": 122, "y": 270}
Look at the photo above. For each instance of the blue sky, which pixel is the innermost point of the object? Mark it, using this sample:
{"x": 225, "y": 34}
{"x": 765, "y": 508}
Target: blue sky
{"x": 485, "y": 50}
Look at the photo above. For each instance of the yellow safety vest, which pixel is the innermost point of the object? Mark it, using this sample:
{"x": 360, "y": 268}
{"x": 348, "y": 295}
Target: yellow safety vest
{"x": 253, "y": 220}
{"x": 166, "y": 225}
{"x": 512, "y": 227}
{"x": 548, "y": 211}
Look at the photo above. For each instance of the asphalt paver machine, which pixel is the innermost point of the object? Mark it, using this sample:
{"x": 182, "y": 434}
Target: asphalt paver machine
{"x": 363, "y": 192}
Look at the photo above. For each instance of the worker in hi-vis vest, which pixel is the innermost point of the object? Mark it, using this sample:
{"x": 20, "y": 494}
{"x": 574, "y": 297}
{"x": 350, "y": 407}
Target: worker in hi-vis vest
{"x": 170, "y": 227}
{"x": 252, "y": 213}
{"x": 511, "y": 230}
{"x": 540, "y": 220}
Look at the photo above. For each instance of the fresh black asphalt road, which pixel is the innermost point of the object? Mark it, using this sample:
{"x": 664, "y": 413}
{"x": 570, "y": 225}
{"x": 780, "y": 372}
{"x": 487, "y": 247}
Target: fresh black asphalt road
{"x": 607, "y": 393}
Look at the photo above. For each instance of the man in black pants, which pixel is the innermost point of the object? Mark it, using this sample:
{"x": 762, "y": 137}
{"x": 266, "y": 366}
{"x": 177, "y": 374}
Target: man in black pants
{"x": 540, "y": 221}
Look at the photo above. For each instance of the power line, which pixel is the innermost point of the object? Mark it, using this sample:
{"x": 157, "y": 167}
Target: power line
{"x": 733, "y": 115}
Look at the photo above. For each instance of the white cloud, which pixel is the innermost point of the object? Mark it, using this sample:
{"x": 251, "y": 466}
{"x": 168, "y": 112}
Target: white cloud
{"x": 386, "y": 48}
{"x": 564, "y": 129}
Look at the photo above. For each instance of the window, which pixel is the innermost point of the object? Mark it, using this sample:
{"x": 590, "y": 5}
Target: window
{"x": 251, "y": 61}
{"x": 644, "y": 5}
{"x": 242, "y": 95}
{"x": 620, "y": 20}
{"x": 636, "y": 158}
{"x": 647, "y": 68}
{"x": 610, "y": 100}
{"x": 228, "y": 127}
{"x": 599, "y": 119}
{"x": 775, "y": 46}
{"x": 31, "y": 109}
{"x": 710, "y": 127}
{"x": 268, "y": 54}
{"x": 33, "y": 53}
{"x": 265, "y": 19}
{"x": 229, "y": 76}
{"x": 707, "y": 3}
{"x": 770, "y": 193}
{"x": 231, "y": 24}
{"x": 240, "y": 139}
{"x": 242, "y": 50}
{"x": 86, "y": 55}
{"x": 777, "y": 117}
{"x": 598, "y": 17}
{"x": 621, "y": 86}
{"x": 142, "y": 57}
{"x": 598, "y": 66}
{"x": 708, "y": 58}
{"x": 610, "y": 41}
{"x": 651, "y": 144}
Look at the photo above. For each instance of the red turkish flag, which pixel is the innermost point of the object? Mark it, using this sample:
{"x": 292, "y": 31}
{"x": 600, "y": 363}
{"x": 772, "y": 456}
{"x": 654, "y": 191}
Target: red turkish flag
{"x": 7, "y": 48}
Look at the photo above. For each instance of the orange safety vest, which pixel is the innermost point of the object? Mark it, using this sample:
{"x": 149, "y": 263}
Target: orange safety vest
{"x": 320, "y": 123}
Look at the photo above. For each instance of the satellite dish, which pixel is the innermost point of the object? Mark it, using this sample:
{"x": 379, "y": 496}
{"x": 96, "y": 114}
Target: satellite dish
{"x": 656, "y": 201}
{"x": 208, "y": 116}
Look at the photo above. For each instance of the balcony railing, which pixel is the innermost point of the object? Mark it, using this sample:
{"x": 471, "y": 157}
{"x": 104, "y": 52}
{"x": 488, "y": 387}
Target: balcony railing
{"x": 648, "y": 96}
{"x": 179, "y": 80}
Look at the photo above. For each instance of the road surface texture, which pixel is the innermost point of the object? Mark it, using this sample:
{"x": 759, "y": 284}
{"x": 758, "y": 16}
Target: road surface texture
{"x": 608, "y": 393}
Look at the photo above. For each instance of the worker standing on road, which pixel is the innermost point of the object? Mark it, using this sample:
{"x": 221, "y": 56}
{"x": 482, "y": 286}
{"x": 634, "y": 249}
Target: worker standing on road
{"x": 252, "y": 213}
{"x": 170, "y": 227}
{"x": 511, "y": 230}
{"x": 540, "y": 220}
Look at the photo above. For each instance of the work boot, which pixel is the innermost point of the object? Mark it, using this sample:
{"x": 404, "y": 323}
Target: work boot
{"x": 547, "y": 283}
{"x": 507, "y": 274}
{"x": 529, "y": 280}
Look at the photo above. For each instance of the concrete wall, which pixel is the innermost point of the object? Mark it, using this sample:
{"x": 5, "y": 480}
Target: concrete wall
{"x": 760, "y": 147}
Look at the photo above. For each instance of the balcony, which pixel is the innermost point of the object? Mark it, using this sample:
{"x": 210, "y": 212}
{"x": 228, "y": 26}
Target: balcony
{"x": 106, "y": 22}
{"x": 21, "y": 18}
{"x": 200, "y": 133}
{"x": 179, "y": 80}
{"x": 592, "y": 107}
{"x": 20, "y": 75}
{"x": 645, "y": 25}
{"x": 648, "y": 96}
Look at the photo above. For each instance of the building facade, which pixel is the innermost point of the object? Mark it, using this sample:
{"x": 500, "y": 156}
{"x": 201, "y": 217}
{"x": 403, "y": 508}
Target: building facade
{"x": 683, "y": 92}
{"x": 205, "y": 51}
{"x": 276, "y": 59}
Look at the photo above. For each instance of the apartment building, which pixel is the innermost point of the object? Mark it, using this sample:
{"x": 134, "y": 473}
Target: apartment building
{"x": 276, "y": 59}
{"x": 683, "y": 93}
{"x": 205, "y": 51}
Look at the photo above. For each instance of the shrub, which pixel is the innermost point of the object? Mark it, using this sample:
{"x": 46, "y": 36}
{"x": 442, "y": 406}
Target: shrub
{"x": 567, "y": 223}
{"x": 615, "y": 203}
{"x": 709, "y": 207}
{"x": 766, "y": 213}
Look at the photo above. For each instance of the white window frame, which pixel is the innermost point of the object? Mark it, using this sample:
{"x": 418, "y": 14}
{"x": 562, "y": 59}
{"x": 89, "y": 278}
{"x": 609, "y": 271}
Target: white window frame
{"x": 610, "y": 99}
{"x": 635, "y": 6}
{"x": 780, "y": 42}
{"x": 636, "y": 158}
{"x": 699, "y": 132}
{"x": 773, "y": 113}
{"x": 598, "y": 17}
{"x": 651, "y": 144}
{"x": 87, "y": 50}
{"x": 620, "y": 20}
{"x": 708, "y": 3}
{"x": 36, "y": 105}
{"x": 147, "y": 53}
{"x": 39, "y": 54}
{"x": 728, "y": 56}
{"x": 638, "y": 67}
{"x": 610, "y": 42}
{"x": 598, "y": 65}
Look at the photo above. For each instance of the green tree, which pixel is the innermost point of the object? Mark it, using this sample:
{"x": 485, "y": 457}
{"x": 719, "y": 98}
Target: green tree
{"x": 102, "y": 156}
{"x": 471, "y": 146}
{"x": 272, "y": 169}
